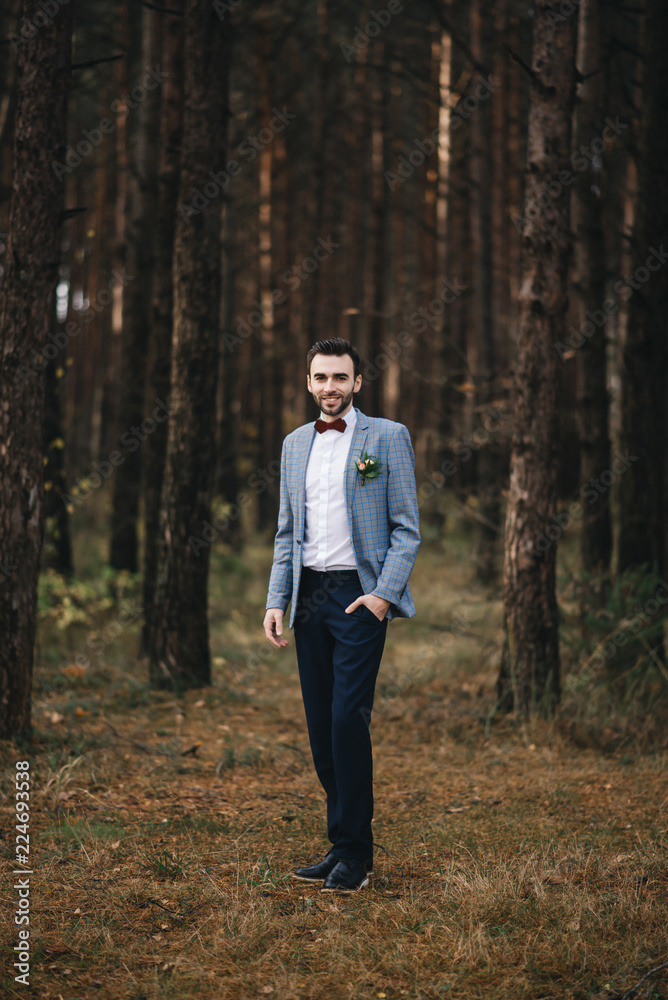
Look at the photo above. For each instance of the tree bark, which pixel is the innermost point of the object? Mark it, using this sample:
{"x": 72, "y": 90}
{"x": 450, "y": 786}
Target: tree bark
{"x": 160, "y": 342}
{"x": 481, "y": 355}
{"x": 590, "y": 284}
{"x": 141, "y": 129}
{"x": 642, "y": 495}
{"x": 27, "y": 295}
{"x": 530, "y": 677}
{"x": 179, "y": 654}
{"x": 58, "y": 544}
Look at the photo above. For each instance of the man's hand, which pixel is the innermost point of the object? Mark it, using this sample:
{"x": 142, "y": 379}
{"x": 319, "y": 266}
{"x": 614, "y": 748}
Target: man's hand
{"x": 378, "y": 605}
{"x": 273, "y": 627}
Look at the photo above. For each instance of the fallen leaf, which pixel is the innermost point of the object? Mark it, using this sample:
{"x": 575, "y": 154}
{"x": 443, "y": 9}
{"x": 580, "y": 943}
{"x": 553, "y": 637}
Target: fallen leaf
{"x": 74, "y": 670}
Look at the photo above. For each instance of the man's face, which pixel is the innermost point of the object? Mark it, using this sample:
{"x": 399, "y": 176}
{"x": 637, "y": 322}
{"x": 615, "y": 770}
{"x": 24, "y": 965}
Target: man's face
{"x": 332, "y": 383}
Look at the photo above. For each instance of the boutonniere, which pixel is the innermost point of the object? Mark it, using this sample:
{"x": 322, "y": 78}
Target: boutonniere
{"x": 368, "y": 467}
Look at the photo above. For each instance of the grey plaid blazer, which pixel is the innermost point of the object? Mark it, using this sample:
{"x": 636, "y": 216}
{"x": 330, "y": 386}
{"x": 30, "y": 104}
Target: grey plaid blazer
{"x": 383, "y": 515}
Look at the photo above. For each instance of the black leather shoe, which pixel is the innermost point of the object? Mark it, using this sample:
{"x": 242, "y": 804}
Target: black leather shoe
{"x": 316, "y": 873}
{"x": 347, "y": 875}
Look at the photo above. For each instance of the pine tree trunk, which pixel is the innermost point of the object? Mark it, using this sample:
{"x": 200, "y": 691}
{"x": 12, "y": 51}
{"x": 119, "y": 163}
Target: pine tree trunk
{"x": 271, "y": 432}
{"x": 642, "y": 495}
{"x": 530, "y": 677}
{"x": 458, "y": 255}
{"x": 179, "y": 653}
{"x": 590, "y": 283}
{"x": 141, "y": 129}
{"x": 160, "y": 344}
{"x": 57, "y": 540}
{"x": 26, "y": 309}
{"x": 481, "y": 342}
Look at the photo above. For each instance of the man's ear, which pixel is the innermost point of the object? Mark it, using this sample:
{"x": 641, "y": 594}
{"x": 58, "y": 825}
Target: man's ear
{"x": 358, "y": 384}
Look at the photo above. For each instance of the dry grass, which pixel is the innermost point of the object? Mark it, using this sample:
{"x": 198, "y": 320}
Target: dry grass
{"x": 511, "y": 863}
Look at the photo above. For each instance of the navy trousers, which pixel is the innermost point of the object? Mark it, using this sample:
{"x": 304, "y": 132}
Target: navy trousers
{"x": 338, "y": 656}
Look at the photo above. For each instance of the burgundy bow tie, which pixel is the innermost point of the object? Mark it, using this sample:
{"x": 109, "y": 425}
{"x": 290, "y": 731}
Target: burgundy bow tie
{"x": 336, "y": 425}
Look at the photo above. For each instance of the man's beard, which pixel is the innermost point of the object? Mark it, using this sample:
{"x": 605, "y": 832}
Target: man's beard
{"x": 330, "y": 410}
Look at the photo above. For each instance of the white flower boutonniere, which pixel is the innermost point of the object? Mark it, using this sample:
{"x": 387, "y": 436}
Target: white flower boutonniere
{"x": 368, "y": 467}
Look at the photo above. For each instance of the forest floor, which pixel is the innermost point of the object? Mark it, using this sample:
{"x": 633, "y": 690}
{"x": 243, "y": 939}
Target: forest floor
{"x": 513, "y": 861}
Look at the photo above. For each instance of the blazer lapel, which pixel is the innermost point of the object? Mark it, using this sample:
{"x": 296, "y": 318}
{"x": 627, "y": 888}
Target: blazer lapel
{"x": 305, "y": 444}
{"x": 357, "y": 447}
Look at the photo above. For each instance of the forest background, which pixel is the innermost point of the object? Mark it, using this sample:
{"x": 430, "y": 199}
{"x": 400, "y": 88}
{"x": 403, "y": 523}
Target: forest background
{"x": 474, "y": 194}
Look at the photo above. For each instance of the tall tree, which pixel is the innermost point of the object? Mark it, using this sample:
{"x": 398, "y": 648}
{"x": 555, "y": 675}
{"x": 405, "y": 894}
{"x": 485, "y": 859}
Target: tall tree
{"x": 642, "y": 533}
{"x": 530, "y": 676}
{"x": 160, "y": 341}
{"x": 179, "y": 650}
{"x": 482, "y": 362}
{"x": 26, "y": 311}
{"x": 141, "y": 125}
{"x": 590, "y": 284}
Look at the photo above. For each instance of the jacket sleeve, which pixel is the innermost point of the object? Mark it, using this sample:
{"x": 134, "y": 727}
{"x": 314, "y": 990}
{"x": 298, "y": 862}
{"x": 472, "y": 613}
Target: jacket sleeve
{"x": 404, "y": 518}
{"x": 280, "y": 581}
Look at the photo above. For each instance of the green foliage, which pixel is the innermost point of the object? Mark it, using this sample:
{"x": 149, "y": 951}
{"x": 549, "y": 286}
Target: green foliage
{"x": 62, "y": 602}
{"x": 166, "y": 865}
{"x": 616, "y": 629}
{"x": 267, "y": 877}
{"x": 613, "y": 647}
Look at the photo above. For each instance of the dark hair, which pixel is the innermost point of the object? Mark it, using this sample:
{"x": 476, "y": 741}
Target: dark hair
{"x": 337, "y": 347}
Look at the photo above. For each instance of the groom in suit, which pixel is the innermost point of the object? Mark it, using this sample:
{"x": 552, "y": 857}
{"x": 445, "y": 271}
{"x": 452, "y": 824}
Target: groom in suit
{"x": 348, "y": 534}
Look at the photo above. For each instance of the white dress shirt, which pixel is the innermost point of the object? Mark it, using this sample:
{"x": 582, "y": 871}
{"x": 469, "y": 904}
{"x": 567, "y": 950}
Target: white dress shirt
{"x": 327, "y": 543}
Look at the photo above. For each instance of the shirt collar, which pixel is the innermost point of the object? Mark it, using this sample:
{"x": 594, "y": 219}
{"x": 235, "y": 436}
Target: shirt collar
{"x": 350, "y": 418}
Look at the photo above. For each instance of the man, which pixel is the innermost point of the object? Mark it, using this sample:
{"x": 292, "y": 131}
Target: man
{"x": 348, "y": 534}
